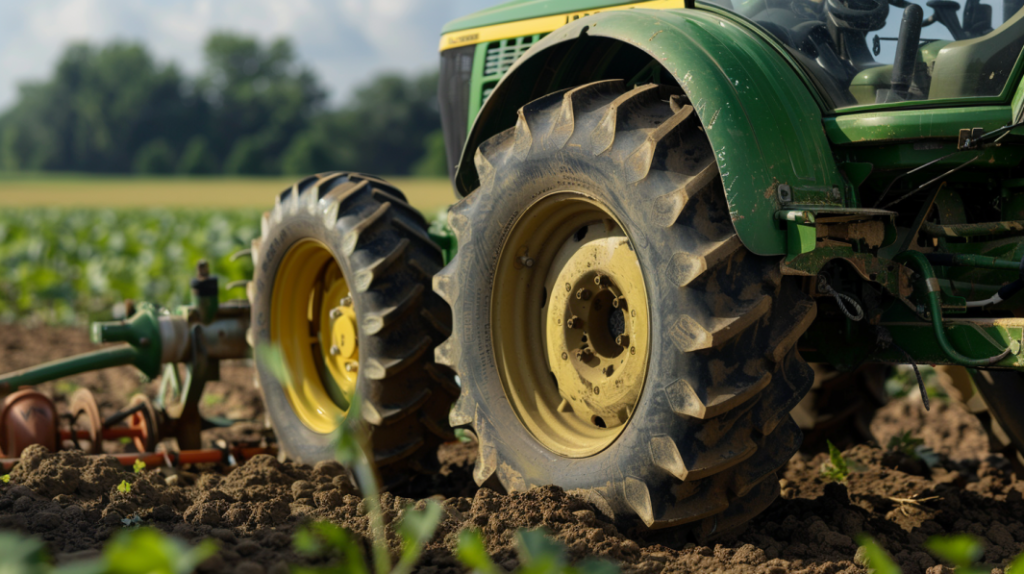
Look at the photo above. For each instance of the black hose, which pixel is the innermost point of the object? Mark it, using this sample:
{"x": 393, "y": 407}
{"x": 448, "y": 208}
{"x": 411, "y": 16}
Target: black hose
{"x": 906, "y": 50}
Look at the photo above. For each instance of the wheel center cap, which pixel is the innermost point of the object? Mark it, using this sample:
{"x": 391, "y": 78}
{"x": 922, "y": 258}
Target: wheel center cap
{"x": 596, "y": 339}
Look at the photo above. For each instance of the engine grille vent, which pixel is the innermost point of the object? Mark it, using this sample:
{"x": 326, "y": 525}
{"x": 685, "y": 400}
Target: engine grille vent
{"x": 500, "y": 57}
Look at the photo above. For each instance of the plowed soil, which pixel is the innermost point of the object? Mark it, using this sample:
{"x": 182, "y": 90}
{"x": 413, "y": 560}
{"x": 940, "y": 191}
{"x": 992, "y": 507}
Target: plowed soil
{"x": 72, "y": 501}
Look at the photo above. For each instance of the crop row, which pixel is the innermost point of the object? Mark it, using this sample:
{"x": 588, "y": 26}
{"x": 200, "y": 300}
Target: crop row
{"x": 72, "y": 265}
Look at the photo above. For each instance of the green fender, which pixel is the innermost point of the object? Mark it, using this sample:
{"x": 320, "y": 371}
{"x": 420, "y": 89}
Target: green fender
{"x": 764, "y": 123}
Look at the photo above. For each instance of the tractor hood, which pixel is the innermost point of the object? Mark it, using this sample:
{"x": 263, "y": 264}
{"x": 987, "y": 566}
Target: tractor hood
{"x": 523, "y": 9}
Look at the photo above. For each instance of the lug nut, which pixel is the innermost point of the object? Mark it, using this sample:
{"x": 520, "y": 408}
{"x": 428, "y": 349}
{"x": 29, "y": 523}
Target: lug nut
{"x": 619, "y": 302}
{"x": 335, "y": 313}
{"x": 574, "y": 322}
{"x": 526, "y": 261}
{"x": 584, "y": 354}
{"x": 335, "y": 350}
{"x": 622, "y": 340}
{"x": 351, "y": 367}
{"x": 346, "y": 301}
{"x": 600, "y": 280}
{"x": 583, "y": 294}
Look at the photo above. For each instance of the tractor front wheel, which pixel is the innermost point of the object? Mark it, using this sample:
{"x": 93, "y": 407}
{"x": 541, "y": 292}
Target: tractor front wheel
{"x": 342, "y": 288}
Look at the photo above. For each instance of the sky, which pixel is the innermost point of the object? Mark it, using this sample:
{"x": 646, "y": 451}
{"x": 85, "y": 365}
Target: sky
{"x": 346, "y": 42}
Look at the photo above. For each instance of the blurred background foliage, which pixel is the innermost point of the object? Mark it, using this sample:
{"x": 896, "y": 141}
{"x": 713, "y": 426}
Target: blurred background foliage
{"x": 254, "y": 109}
{"x": 69, "y": 266}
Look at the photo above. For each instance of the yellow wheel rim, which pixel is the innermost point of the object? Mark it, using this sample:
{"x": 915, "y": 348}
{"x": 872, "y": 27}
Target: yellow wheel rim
{"x": 569, "y": 318}
{"x": 313, "y": 323}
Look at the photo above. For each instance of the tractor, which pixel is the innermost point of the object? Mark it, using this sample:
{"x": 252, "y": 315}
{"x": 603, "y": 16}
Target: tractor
{"x": 666, "y": 212}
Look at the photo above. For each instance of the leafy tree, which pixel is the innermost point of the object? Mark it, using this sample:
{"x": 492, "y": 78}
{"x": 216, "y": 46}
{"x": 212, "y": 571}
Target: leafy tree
{"x": 435, "y": 160}
{"x": 156, "y": 156}
{"x": 197, "y": 157}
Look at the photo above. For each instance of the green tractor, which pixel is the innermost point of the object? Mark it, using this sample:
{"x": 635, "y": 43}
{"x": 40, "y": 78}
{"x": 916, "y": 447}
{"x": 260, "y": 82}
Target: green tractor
{"x": 666, "y": 212}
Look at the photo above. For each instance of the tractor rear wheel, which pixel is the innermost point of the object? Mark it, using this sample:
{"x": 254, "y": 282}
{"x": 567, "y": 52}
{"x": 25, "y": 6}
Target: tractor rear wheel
{"x": 342, "y": 287}
{"x": 612, "y": 334}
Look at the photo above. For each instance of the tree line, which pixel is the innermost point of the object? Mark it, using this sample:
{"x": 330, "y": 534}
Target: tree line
{"x": 253, "y": 109}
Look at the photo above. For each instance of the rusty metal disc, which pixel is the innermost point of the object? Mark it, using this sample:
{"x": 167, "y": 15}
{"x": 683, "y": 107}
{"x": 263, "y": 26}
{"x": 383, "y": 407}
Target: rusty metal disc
{"x": 146, "y": 421}
{"x": 86, "y": 413}
{"x": 28, "y": 417}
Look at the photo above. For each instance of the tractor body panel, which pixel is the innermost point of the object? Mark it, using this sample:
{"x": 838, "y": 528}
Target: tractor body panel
{"x": 764, "y": 124}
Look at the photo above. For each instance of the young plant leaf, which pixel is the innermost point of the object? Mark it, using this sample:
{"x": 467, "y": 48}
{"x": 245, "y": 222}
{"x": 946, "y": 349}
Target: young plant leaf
{"x": 472, "y": 553}
{"x": 271, "y": 358}
{"x": 836, "y": 469}
{"x": 878, "y": 559}
{"x": 139, "y": 466}
{"x": 5, "y": 478}
{"x": 539, "y": 553}
{"x": 416, "y": 529}
{"x": 1017, "y": 566}
{"x": 149, "y": 550}
{"x": 961, "y": 550}
{"x": 125, "y": 487}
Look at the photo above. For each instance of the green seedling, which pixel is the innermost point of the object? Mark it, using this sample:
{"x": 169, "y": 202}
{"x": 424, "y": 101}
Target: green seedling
{"x": 125, "y": 487}
{"x": 914, "y": 448}
{"x": 139, "y": 466}
{"x": 538, "y": 554}
{"x": 836, "y": 469}
{"x": 5, "y": 478}
{"x": 878, "y": 559}
{"x": 212, "y": 399}
{"x": 961, "y": 550}
{"x": 463, "y": 436}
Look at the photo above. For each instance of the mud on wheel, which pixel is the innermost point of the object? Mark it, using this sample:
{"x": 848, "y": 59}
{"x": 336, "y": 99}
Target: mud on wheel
{"x": 612, "y": 334}
{"x": 342, "y": 286}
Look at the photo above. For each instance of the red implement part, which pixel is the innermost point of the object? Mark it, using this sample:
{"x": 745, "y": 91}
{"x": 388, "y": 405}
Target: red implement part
{"x": 27, "y": 417}
{"x": 145, "y": 422}
{"x": 87, "y": 415}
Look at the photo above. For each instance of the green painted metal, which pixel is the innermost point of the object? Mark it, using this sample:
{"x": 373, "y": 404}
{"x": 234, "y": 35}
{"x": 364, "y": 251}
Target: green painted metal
{"x": 141, "y": 332}
{"x": 523, "y": 9}
{"x": 441, "y": 233}
{"x": 913, "y": 124}
{"x": 763, "y": 123}
{"x": 484, "y": 77}
{"x": 1017, "y": 105}
{"x": 99, "y": 359}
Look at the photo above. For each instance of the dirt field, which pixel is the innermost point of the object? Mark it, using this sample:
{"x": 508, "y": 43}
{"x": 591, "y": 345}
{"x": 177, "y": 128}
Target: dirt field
{"x": 72, "y": 501}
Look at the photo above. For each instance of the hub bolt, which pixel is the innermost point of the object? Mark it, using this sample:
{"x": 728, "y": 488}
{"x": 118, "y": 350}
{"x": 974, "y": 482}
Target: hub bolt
{"x": 574, "y": 322}
{"x": 526, "y": 261}
{"x": 335, "y": 350}
{"x": 335, "y": 313}
{"x": 622, "y": 340}
{"x": 351, "y": 367}
{"x": 619, "y": 302}
{"x": 583, "y": 294}
{"x": 584, "y": 354}
{"x": 346, "y": 301}
{"x": 600, "y": 280}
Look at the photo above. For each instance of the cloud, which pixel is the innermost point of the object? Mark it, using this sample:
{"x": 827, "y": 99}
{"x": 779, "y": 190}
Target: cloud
{"x": 346, "y": 42}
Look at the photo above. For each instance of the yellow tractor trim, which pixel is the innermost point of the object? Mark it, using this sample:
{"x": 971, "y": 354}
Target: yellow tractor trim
{"x": 570, "y": 324}
{"x": 313, "y": 323}
{"x": 542, "y": 25}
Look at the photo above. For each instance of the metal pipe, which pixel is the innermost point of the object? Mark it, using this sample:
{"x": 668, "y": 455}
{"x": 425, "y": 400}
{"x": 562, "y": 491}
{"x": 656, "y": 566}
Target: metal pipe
{"x": 918, "y": 260}
{"x": 974, "y": 229}
{"x": 99, "y": 359}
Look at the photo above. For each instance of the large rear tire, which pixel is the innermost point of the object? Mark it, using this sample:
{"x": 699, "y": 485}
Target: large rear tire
{"x": 342, "y": 287}
{"x": 605, "y": 194}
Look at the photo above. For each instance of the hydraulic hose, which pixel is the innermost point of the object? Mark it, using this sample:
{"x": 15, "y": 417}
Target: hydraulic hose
{"x": 917, "y": 260}
{"x": 970, "y": 260}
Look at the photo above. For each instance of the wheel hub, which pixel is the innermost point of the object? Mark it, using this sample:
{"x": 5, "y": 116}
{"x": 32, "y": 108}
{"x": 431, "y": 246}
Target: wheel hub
{"x": 591, "y": 330}
{"x": 570, "y": 324}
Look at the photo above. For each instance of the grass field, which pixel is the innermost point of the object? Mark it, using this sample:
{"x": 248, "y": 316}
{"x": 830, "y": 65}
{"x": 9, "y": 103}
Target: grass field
{"x": 215, "y": 192}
